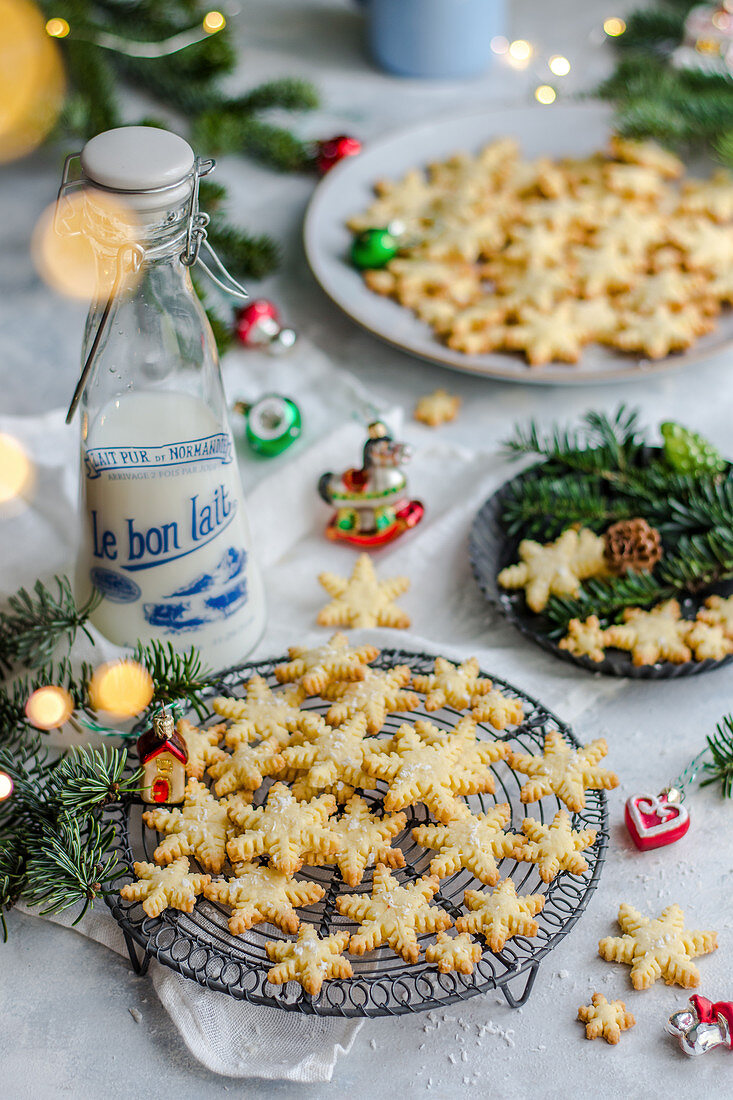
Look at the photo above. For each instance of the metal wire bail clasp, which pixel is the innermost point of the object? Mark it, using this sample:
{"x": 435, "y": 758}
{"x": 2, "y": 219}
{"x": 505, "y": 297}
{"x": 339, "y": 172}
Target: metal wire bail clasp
{"x": 197, "y": 236}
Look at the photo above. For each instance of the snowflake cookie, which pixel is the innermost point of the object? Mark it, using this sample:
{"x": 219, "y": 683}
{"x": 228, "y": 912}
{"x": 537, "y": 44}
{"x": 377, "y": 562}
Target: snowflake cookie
{"x": 365, "y": 839}
{"x": 284, "y": 829}
{"x": 651, "y": 636}
{"x": 161, "y": 888}
{"x": 394, "y": 914}
{"x": 605, "y": 1019}
{"x": 459, "y": 953}
{"x": 474, "y": 841}
{"x": 585, "y": 638}
{"x": 331, "y": 759}
{"x": 201, "y": 745}
{"x": 564, "y": 771}
{"x": 261, "y": 713}
{"x": 245, "y": 768}
{"x": 555, "y": 847}
{"x": 313, "y": 669}
{"x": 263, "y": 894}
{"x": 459, "y": 686}
{"x": 377, "y": 695}
{"x": 718, "y": 612}
{"x": 362, "y": 599}
{"x": 437, "y": 408}
{"x": 708, "y": 641}
{"x": 200, "y": 829}
{"x": 556, "y": 568}
{"x": 658, "y": 948}
{"x": 500, "y": 915}
{"x": 309, "y": 960}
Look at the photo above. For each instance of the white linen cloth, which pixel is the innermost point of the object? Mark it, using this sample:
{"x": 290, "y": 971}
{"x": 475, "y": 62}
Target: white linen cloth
{"x": 448, "y": 612}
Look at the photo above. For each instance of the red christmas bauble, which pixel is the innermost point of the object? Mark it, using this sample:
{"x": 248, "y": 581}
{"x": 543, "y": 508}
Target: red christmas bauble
{"x": 332, "y": 150}
{"x": 257, "y": 322}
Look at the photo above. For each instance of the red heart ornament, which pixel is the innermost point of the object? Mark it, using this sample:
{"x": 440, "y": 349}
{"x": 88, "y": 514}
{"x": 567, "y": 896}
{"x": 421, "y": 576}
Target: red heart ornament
{"x": 654, "y": 822}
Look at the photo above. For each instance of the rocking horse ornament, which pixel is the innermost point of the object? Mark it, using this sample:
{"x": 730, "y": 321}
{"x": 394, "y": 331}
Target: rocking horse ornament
{"x": 372, "y": 506}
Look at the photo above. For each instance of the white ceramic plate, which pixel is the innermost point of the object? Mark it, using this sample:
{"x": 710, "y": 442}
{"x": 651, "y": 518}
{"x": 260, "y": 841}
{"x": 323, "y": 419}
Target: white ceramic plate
{"x": 573, "y": 130}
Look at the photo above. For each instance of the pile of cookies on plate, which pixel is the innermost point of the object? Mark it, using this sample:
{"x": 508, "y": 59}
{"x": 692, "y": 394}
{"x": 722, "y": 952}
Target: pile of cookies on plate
{"x": 546, "y": 256}
{"x": 313, "y": 815}
{"x": 559, "y": 568}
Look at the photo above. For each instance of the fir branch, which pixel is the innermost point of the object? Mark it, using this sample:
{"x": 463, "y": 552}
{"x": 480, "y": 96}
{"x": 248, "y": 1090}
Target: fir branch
{"x": 37, "y": 621}
{"x": 225, "y": 130}
{"x": 254, "y": 257}
{"x": 66, "y": 865}
{"x": 542, "y": 507}
{"x": 606, "y": 598}
{"x": 287, "y": 94}
{"x": 14, "y": 696}
{"x": 720, "y": 770}
{"x": 175, "y": 675}
{"x": 29, "y": 773}
{"x": 12, "y": 874}
{"x": 602, "y": 443}
{"x": 89, "y": 779}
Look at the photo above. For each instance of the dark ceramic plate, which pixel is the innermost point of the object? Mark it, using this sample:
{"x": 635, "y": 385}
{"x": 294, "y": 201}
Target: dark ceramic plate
{"x": 491, "y": 549}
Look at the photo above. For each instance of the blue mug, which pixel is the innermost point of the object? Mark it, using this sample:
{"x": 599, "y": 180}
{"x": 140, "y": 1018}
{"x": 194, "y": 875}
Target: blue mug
{"x": 434, "y": 38}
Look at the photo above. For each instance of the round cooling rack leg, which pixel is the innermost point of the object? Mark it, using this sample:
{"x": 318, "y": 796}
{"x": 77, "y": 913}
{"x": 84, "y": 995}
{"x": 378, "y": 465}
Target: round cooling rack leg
{"x": 517, "y": 1002}
{"x": 140, "y": 966}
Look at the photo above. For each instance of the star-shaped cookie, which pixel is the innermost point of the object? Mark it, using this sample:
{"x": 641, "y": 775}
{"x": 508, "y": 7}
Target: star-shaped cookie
{"x": 363, "y": 600}
{"x": 309, "y": 960}
{"x": 659, "y": 948}
{"x": 605, "y": 1019}
{"x": 557, "y": 568}
{"x": 651, "y": 636}
{"x": 200, "y": 829}
{"x": 500, "y": 915}
{"x": 262, "y": 713}
{"x": 498, "y": 710}
{"x": 263, "y": 894}
{"x": 365, "y": 840}
{"x": 718, "y": 612}
{"x": 377, "y": 695}
{"x": 555, "y": 847}
{"x": 546, "y": 337}
{"x": 284, "y": 829}
{"x": 427, "y": 765}
{"x": 201, "y": 745}
{"x": 459, "y": 686}
{"x": 437, "y": 408}
{"x": 245, "y": 768}
{"x": 331, "y": 759}
{"x": 448, "y": 953}
{"x": 165, "y": 887}
{"x": 473, "y": 841}
{"x": 663, "y": 330}
{"x": 585, "y": 638}
{"x": 313, "y": 669}
{"x": 708, "y": 641}
{"x": 564, "y": 771}
{"x": 394, "y": 914}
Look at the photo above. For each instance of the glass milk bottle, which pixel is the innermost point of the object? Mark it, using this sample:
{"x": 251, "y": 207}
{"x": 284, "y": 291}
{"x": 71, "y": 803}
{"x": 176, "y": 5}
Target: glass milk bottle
{"x": 165, "y": 534}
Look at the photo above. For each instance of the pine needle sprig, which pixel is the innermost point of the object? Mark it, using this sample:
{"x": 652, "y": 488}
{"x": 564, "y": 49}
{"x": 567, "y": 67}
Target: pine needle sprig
{"x": 67, "y": 864}
{"x": 36, "y": 622}
{"x": 89, "y": 779}
{"x": 543, "y": 507}
{"x": 12, "y": 874}
{"x": 606, "y": 598}
{"x": 15, "y": 695}
{"x": 720, "y": 769}
{"x": 602, "y": 443}
{"x": 175, "y": 675}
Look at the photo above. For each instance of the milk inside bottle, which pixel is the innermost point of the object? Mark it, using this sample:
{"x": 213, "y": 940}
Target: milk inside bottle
{"x": 165, "y": 534}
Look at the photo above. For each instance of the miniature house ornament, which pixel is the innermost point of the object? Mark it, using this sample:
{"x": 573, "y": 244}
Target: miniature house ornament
{"x": 163, "y": 758}
{"x": 372, "y": 503}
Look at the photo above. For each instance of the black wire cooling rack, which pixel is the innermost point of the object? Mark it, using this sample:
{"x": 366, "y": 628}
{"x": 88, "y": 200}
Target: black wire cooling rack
{"x": 199, "y": 946}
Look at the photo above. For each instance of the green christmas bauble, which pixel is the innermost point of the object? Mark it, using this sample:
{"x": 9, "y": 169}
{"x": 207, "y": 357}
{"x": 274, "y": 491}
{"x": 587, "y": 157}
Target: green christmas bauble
{"x": 373, "y": 248}
{"x": 690, "y": 453}
{"x": 273, "y": 423}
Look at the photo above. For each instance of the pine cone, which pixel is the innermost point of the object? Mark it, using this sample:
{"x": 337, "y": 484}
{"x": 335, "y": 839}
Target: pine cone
{"x": 632, "y": 546}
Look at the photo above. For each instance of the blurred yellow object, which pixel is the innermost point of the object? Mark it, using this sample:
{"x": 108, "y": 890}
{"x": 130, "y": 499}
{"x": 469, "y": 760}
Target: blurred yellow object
{"x": 61, "y": 246}
{"x": 559, "y": 65}
{"x": 520, "y": 50}
{"x": 15, "y": 469}
{"x": 614, "y": 26}
{"x": 545, "y": 94}
{"x": 214, "y": 21}
{"x": 32, "y": 81}
{"x": 6, "y": 786}
{"x": 49, "y": 707}
{"x": 57, "y": 28}
{"x": 121, "y": 688}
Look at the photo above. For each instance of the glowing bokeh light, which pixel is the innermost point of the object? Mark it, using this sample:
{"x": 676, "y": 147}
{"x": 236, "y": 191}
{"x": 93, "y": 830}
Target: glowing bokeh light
{"x": 32, "y": 82}
{"x": 614, "y": 26}
{"x": 214, "y": 21}
{"x": 545, "y": 94}
{"x": 62, "y": 249}
{"x": 57, "y": 28}
{"x": 499, "y": 44}
{"x": 122, "y": 688}
{"x": 559, "y": 65}
{"x": 6, "y": 786}
{"x": 49, "y": 707}
{"x": 15, "y": 469}
{"x": 520, "y": 50}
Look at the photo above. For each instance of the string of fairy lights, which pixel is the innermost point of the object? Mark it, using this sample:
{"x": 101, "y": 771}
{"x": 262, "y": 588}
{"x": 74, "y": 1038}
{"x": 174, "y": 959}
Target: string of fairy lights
{"x": 212, "y": 23}
{"x": 520, "y": 53}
